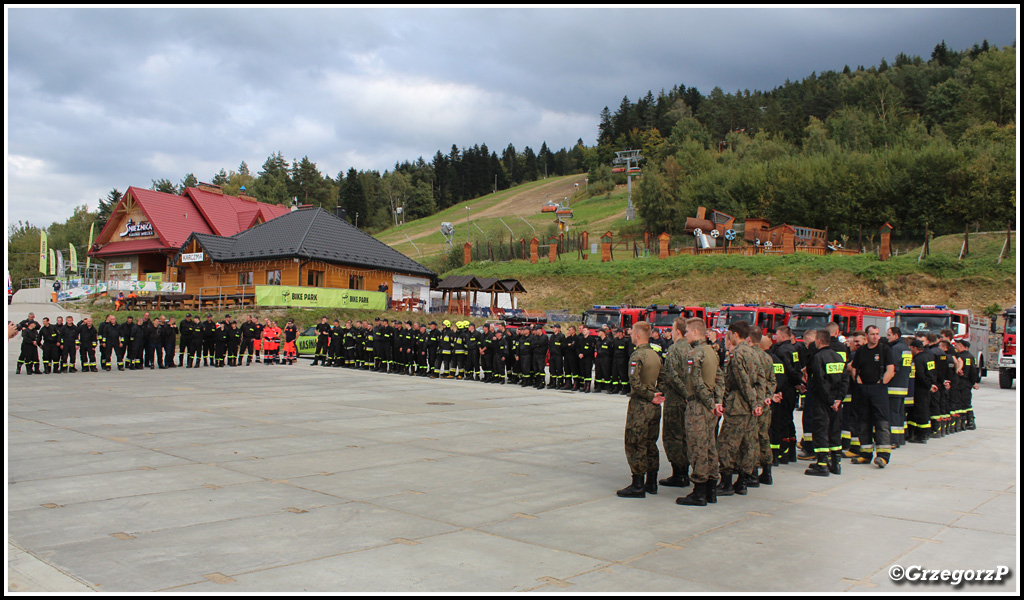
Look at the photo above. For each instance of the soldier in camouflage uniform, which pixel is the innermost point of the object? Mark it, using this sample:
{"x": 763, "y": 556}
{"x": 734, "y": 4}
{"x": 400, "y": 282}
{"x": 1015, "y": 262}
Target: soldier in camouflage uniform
{"x": 761, "y": 344}
{"x": 737, "y": 442}
{"x": 672, "y": 386}
{"x": 643, "y": 415}
{"x": 704, "y": 387}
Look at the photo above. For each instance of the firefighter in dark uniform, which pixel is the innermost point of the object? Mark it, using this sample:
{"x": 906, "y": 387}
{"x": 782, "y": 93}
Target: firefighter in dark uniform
{"x": 603, "y": 361}
{"x": 209, "y": 337}
{"x": 539, "y": 352}
{"x": 587, "y": 347}
{"x": 556, "y": 347}
{"x": 87, "y": 345}
{"x": 323, "y": 341}
{"x": 525, "y": 356}
{"x": 512, "y": 358}
{"x": 195, "y": 345}
{"x": 69, "y": 345}
{"x": 185, "y": 329}
{"x": 433, "y": 341}
{"x": 499, "y": 356}
{"x": 121, "y": 348}
{"x": 29, "y": 357}
{"x": 570, "y": 359}
{"x": 234, "y": 340}
{"x": 472, "y": 352}
{"x": 922, "y": 372}
{"x": 621, "y": 352}
{"x": 151, "y": 339}
{"x": 826, "y": 387}
{"x": 49, "y": 339}
{"x": 248, "y": 333}
{"x": 899, "y": 386}
{"x": 789, "y": 381}
{"x": 443, "y": 359}
{"x": 952, "y": 385}
{"x": 970, "y": 381}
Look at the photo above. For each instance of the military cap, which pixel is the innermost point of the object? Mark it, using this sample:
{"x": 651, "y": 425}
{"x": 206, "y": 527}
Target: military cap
{"x": 557, "y": 326}
{"x": 964, "y": 343}
{"x": 916, "y": 343}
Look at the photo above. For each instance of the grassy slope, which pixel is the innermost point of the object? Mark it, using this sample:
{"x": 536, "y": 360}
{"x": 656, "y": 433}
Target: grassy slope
{"x": 509, "y": 205}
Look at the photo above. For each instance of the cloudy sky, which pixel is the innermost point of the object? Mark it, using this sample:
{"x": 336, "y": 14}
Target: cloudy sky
{"x": 104, "y": 98}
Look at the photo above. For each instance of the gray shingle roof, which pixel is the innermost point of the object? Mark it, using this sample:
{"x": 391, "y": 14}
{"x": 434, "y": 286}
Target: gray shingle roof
{"x": 313, "y": 234}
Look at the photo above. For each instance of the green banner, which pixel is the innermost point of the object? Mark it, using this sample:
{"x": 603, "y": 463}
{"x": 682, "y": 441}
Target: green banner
{"x": 284, "y": 295}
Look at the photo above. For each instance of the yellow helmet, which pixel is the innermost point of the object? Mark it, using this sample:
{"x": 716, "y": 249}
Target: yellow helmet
{"x": 447, "y": 323}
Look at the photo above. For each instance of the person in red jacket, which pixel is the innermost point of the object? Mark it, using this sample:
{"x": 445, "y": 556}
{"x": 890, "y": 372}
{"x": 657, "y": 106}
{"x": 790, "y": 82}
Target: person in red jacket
{"x": 271, "y": 342}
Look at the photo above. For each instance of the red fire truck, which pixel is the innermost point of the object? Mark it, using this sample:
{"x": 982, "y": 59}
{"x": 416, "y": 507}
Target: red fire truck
{"x": 768, "y": 318}
{"x": 1008, "y": 349}
{"x": 849, "y": 317}
{"x": 661, "y": 316}
{"x": 613, "y": 316}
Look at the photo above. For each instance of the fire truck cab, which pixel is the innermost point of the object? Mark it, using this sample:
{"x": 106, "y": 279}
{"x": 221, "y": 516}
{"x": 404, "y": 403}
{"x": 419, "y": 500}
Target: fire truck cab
{"x": 613, "y": 316}
{"x": 768, "y": 318}
{"x": 1008, "y": 349}
{"x": 849, "y": 317}
{"x": 933, "y": 318}
{"x": 661, "y": 316}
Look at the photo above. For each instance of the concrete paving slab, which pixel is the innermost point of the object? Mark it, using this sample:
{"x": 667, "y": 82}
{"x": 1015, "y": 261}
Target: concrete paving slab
{"x": 456, "y": 561}
{"x": 742, "y": 554}
{"x": 82, "y": 488}
{"x": 624, "y": 577}
{"x": 360, "y": 454}
{"x": 26, "y": 573}
{"x": 174, "y": 557}
{"x": 68, "y": 465}
{"x": 954, "y": 549}
{"x": 42, "y": 528}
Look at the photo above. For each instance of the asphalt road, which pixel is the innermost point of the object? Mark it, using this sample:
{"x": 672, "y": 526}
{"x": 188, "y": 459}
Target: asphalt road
{"x": 289, "y": 479}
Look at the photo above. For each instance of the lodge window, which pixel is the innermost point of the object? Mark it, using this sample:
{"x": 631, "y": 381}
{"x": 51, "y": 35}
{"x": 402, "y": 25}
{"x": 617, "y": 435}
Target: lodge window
{"x": 355, "y": 282}
{"x": 245, "y": 278}
{"x": 273, "y": 277}
{"x": 315, "y": 278}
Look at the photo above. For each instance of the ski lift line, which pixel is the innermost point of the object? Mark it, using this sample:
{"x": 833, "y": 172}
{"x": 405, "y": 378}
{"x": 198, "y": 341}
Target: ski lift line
{"x": 413, "y": 244}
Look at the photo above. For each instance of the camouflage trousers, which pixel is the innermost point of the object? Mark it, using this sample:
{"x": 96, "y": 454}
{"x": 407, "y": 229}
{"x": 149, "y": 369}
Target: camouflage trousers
{"x": 642, "y": 420}
{"x": 764, "y": 442}
{"x": 737, "y": 444}
{"x": 673, "y": 431}
{"x": 701, "y": 446}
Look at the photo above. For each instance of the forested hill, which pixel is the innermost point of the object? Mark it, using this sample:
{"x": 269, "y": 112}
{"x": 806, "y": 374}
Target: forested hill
{"x": 910, "y": 142}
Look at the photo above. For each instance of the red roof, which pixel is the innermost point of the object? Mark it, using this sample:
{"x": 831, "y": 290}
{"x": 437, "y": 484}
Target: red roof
{"x": 223, "y": 212}
{"x": 175, "y": 218}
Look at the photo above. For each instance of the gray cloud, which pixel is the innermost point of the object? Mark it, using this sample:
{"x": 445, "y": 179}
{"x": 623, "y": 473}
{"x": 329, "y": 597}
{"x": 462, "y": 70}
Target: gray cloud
{"x": 102, "y": 98}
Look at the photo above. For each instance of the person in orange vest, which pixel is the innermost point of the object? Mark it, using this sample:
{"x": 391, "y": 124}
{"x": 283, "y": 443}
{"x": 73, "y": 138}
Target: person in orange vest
{"x": 271, "y": 342}
{"x": 119, "y": 302}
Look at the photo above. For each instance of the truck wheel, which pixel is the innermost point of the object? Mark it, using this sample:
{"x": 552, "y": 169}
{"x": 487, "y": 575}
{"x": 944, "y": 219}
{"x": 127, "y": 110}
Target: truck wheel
{"x": 1005, "y": 379}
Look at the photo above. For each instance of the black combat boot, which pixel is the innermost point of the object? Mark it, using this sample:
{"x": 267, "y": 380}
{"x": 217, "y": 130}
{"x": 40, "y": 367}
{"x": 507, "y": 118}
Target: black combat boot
{"x": 725, "y": 487}
{"x": 697, "y": 497}
{"x": 766, "y": 475}
{"x": 651, "y": 485}
{"x": 710, "y": 491}
{"x": 835, "y": 460}
{"x": 635, "y": 489}
{"x": 740, "y": 487}
{"x": 750, "y": 480}
{"x": 818, "y": 470}
{"x": 679, "y": 477}
{"x": 970, "y": 422}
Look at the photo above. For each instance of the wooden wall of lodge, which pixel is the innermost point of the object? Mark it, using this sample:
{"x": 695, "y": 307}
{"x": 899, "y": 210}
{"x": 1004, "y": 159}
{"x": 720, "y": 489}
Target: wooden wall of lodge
{"x": 207, "y": 274}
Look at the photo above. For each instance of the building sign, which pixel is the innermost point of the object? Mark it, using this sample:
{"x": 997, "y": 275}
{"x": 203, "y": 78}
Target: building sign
{"x": 166, "y": 287}
{"x": 192, "y": 257}
{"x": 293, "y": 296}
{"x": 120, "y": 266}
{"x": 158, "y": 277}
{"x": 140, "y": 229}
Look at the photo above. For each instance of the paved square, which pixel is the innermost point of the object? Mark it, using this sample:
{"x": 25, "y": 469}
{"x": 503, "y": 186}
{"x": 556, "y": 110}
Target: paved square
{"x": 312, "y": 479}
